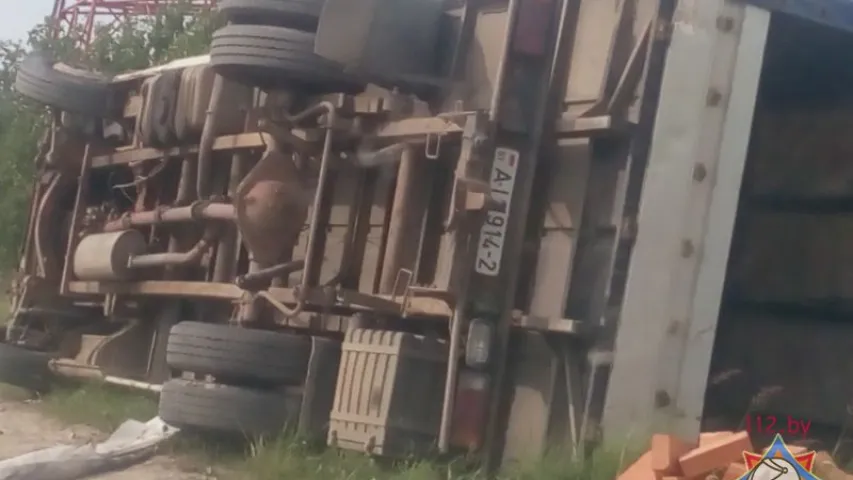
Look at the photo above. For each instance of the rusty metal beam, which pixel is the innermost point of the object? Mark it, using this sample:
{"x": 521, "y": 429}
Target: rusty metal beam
{"x": 241, "y": 141}
{"x": 586, "y": 127}
{"x": 418, "y": 306}
{"x": 566, "y": 326}
{"x": 407, "y": 130}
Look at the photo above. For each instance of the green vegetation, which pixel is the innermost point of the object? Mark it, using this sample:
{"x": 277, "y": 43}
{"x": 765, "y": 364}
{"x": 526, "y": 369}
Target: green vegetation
{"x": 141, "y": 43}
{"x": 97, "y": 405}
{"x": 105, "y": 408}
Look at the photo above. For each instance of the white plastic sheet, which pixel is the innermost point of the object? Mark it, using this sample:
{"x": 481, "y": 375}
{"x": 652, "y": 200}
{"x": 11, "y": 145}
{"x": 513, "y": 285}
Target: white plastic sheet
{"x": 131, "y": 443}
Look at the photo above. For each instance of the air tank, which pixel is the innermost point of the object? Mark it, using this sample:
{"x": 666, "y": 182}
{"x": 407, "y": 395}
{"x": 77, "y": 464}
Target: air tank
{"x": 105, "y": 256}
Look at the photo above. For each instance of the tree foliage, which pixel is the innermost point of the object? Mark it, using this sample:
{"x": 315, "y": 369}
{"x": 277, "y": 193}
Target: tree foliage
{"x": 142, "y": 42}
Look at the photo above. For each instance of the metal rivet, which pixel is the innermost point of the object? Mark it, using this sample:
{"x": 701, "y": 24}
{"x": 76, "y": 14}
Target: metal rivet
{"x": 713, "y": 98}
{"x": 673, "y": 328}
{"x": 699, "y": 172}
{"x": 687, "y": 248}
{"x": 662, "y": 399}
{"x": 629, "y": 228}
{"x": 725, "y": 24}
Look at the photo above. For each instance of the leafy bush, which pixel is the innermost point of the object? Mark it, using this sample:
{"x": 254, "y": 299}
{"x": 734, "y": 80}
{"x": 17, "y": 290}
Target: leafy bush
{"x": 142, "y": 42}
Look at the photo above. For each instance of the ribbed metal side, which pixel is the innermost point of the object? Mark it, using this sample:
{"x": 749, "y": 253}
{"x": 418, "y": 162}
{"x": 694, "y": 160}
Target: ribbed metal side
{"x": 388, "y": 392}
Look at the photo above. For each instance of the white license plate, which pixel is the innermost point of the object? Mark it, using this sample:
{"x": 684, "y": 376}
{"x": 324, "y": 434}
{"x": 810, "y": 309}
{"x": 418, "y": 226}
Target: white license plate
{"x": 492, "y": 234}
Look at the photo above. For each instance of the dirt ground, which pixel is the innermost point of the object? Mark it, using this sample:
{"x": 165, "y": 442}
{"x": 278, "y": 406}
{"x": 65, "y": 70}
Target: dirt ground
{"x": 23, "y": 429}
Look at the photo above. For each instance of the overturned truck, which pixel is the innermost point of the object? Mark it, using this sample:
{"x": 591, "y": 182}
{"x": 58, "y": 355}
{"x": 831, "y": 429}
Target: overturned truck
{"x": 413, "y": 224}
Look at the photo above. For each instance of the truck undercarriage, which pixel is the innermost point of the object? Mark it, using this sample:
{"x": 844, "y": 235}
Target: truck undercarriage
{"x": 398, "y": 238}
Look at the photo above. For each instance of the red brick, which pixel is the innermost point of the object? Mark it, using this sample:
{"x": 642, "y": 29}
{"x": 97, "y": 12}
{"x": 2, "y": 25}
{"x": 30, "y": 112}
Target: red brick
{"x": 734, "y": 471}
{"x": 708, "y": 438}
{"x": 639, "y": 470}
{"x": 826, "y": 469}
{"x": 715, "y": 455}
{"x": 676, "y": 477}
{"x": 666, "y": 450}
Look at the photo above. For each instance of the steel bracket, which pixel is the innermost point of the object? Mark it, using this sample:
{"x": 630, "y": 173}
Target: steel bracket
{"x": 470, "y": 187}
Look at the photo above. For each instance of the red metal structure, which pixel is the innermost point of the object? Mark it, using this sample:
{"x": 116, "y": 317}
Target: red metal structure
{"x": 80, "y": 17}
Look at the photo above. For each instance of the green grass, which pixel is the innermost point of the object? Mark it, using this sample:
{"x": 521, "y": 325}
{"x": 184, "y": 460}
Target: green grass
{"x": 97, "y": 405}
{"x": 105, "y": 407}
{"x": 288, "y": 459}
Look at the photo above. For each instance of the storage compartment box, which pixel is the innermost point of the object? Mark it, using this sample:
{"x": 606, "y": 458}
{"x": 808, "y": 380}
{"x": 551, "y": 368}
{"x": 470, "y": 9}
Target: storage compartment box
{"x": 389, "y": 393}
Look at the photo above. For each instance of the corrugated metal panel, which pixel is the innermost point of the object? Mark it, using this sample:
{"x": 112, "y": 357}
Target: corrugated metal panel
{"x": 389, "y": 394}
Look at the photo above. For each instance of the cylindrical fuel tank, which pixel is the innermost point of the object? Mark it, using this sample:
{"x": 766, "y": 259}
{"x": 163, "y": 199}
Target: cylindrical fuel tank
{"x": 104, "y": 256}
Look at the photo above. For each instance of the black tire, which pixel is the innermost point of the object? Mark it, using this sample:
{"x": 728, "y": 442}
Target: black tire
{"x": 268, "y": 56}
{"x": 226, "y": 409}
{"x": 239, "y": 356}
{"x": 62, "y": 87}
{"x": 24, "y": 368}
{"x": 298, "y": 14}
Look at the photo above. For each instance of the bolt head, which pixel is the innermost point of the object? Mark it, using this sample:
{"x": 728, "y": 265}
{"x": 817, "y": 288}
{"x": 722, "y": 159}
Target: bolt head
{"x": 725, "y": 24}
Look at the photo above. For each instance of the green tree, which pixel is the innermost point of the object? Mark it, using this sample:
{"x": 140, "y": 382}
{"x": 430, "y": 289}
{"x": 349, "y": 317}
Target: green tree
{"x": 140, "y": 43}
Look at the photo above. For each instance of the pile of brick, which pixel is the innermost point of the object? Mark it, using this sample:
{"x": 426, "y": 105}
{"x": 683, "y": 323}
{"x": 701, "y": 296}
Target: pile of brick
{"x": 718, "y": 456}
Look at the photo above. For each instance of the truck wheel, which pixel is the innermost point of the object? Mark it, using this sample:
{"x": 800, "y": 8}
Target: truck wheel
{"x": 298, "y": 14}
{"x": 24, "y": 368}
{"x": 238, "y": 355}
{"x": 267, "y": 56}
{"x": 227, "y": 409}
{"x": 63, "y": 87}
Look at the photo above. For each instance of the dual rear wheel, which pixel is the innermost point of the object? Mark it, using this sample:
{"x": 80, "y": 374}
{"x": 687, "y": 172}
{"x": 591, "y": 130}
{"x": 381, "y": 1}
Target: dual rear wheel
{"x": 248, "y": 382}
{"x": 245, "y": 381}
